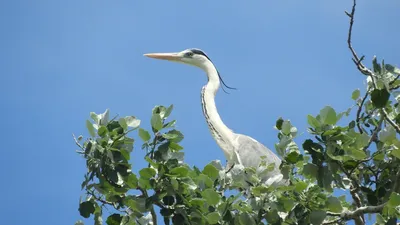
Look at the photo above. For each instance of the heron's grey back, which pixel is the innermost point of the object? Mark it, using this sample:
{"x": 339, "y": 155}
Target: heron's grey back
{"x": 250, "y": 152}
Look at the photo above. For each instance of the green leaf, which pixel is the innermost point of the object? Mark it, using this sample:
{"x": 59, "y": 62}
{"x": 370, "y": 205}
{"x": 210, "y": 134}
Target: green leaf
{"x": 147, "y": 173}
{"x": 144, "y": 134}
{"x": 286, "y": 127}
{"x": 102, "y": 132}
{"x": 380, "y": 220}
{"x": 175, "y": 147}
{"x": 313, "y": 122}
{"x": 246, "y": 219}
{"x": 180, "y": 171}
{"x": 392, "y": 69}
{"x": 379, "y": 97}
{"x": 272, "y": 217}
{"x": 211, "y": 171}
{"x": 278, "y": 124}
{"x": 381, "y": 156}
{"x": 90, "y": 128}
{"x": 122, "y": 123}
{"x": 136, "y": 203}
{"x": 358, "y": 154}
{"x": 200, "y": 202}
{"x": 169, "y": 136}
{"x": 104, "y": 117}
{"x": 156, "y": 122}
{"x": 170, "y": 124}
{"x": 317, "y": 217}
{"x": 79, "y": 222}
{"x": 293, "y": 157}
{"x": 213, "y": 218}
{"x": 328, "y": 115}
{"x": 355, "y": 94}
{"x": 334, "y": 205}
{"x": 168, "y": 111}
{"x": 352, "y": 124}
{"x": 86, "y": 208}
{"x": 301, "y": 186}
{"x": 188, "y": 183}
{"x": 131, "y": 121}
{"x": 310, "y": 170}
{"x": 396, "y": 153}
{"x": 132, "y": 181}
{"x": 94, "y": 117}
{"x": 204, "y": 181}
{"x": 259, "y": 190}
{"x": 126, "y": 220}
{"x": 288, "y": 204}
{"x": 178, "y": 138}
{"x": 114, "y": 219}
{"x": 394, "y": 199}
{"x": 211, "y": 196}
{"x": 387, "y": 134}
{"x": 376, "y": 66}
{"x": 160, "y": 110}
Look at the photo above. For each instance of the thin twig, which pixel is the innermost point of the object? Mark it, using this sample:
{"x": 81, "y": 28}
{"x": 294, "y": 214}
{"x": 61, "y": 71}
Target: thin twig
{"x": 120, "y": 136}
{"x": 371, "y": 139}
{"x": 374, "y": 134}
{"x": 365, "y": 160}
{"x": 105, "y": 202}
{"x": 359, "y": 112}
{"x": 77, "y": 142}
{"x": 358, "y": 61}
{"x": 350, "y": 176}
{"x": 391, "y": 122}
{"x": 394, "y": 80}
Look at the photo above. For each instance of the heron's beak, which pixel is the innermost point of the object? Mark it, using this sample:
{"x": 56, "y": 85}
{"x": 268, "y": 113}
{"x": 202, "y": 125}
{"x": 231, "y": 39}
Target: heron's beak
{"x": 165, "y": 56}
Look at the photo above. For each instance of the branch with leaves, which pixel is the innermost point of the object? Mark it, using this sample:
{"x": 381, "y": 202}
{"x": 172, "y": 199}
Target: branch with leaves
{"x": 361, "y": 157}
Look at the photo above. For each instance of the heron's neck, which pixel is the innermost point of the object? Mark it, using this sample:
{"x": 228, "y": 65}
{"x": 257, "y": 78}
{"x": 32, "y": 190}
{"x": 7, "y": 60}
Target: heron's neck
{"x": 221, "y": 133}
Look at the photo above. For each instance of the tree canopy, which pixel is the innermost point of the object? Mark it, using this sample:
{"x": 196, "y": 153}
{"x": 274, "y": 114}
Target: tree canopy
{"x": 361, "y": 157}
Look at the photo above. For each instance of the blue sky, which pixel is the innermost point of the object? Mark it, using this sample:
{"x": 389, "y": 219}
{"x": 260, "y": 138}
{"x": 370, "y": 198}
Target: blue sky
{"x": 60, "y": 60}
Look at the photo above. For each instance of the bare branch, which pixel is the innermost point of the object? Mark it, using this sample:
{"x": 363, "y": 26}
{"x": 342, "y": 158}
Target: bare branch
{"x": 105, "y": 202}
{"x": 348, "y": 215}
{"x": 359, "y": 220}
{"x": 354, "y": 215}
{"x": 357, "y": 61}
{"x": 77, "y": 143}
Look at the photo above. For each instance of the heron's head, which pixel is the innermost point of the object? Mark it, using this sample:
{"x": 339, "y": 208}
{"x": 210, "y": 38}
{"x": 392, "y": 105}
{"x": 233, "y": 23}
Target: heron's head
{"x": 194, "y": 57}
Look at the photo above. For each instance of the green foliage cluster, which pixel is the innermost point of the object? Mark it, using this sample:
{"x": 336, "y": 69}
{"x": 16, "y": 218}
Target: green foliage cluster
{"x": 356, "y": 151}
{"x": 361, "y": 157}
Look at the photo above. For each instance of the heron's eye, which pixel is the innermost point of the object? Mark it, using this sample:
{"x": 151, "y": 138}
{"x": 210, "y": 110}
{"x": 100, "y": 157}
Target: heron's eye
{"x": 188, "y": 54}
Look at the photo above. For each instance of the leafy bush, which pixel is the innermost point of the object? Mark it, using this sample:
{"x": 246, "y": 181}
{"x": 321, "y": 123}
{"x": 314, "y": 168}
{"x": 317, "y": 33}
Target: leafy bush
{"x": 361, "y": 158}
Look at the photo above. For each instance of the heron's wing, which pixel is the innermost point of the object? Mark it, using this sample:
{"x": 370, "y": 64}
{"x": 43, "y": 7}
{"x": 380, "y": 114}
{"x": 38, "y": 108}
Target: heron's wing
{"x": 250, "y": 151}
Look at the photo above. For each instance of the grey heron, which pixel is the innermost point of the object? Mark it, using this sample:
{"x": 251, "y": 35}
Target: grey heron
{"x": 237, "y": 148}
